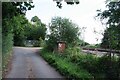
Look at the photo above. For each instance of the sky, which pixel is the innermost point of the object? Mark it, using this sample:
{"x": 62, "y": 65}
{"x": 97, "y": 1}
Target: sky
{"x": 82, "y": 14}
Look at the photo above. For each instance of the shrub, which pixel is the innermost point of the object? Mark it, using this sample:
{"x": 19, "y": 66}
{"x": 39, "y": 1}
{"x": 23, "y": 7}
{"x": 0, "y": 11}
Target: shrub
{"x": 99, "y": 67}
{"x": 88, "y": 62}
{"x": 7, "y": 44}
{"x": 36, "y": 44}
{"x": 109, "y": 67}
{"x": 104, "y": 68}
{"x": 65, "y": 67}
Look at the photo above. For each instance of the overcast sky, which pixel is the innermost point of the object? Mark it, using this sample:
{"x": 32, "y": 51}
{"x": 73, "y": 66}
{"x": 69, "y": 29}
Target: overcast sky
{"x": 82, "y": 14}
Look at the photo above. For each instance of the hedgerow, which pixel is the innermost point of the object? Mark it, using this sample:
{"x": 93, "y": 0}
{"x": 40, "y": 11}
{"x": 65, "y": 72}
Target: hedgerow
{"x": 73, "y": 63}
{"x": 65, "y": 67}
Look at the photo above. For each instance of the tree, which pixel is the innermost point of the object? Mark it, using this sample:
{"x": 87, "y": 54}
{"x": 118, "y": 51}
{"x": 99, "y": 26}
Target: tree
{"x": 112, "y": 33}
{"x": 62, "y": 29}
{"x": 9, "y": 11}
{"x": 38, "y": 29}
{"x": 36, "y": 20}
{"x": 19, "y": 30}
{"x": 69, "y": 2}
{"x": 111, "y": 14}
{"x": 111, "y": 37}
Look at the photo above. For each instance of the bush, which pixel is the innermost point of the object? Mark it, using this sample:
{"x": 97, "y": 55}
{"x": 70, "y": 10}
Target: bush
{"x": 83, "y": 61}
{"x": 99, "y": 67}
{"x": 7, "y": 44}
{"x": 36, "y": 44}
{"x": 73, "y": 62}
{"x": 51, "y": 43}
{"x": 41, "y": 42}
{"x": 65, "y": 67}
{"x": 109, "y": 67}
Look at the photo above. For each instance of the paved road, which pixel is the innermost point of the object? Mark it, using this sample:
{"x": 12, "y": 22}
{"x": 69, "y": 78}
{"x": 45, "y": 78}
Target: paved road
{"x": 28, "y": 64}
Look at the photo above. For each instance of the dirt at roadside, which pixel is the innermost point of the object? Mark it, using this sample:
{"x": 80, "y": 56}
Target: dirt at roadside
{"x": 8, "y": 67}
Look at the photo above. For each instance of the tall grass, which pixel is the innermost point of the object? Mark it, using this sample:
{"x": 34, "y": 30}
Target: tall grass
{"x": 65, "y": 66}
{"x": 100, "y": 67}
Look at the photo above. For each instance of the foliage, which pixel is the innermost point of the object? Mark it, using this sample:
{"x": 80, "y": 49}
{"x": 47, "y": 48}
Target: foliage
{"x": 81, "y": 43}
{"x": 0, "y": 50}
{"x": 19, "y": 29}
{"x": 68, "y": 69}
{"x": 15, "y": 8}
{"x": 41, "y": 42}
{"x": 111, "y": 38}
{"x": 62, "y": 29}
{"x": 112, "y": 33}
{"x": 59, "y": 3}
{"x": 6, "y": 49}
{"x": 72, "y": 51}
{"x": 76, "y": 56}
{"x": 36, "y": 20}
{"x": 5, "y": 62}
{"x": 37, "y": 30}
{"x": 36, "y": 44}
{"x": 9, "y": 11}
{"x": 7, "y": 43}
{"x": 7, "y": 36}
{"x": 109, "y": 67}
{"x": 22, "y": 30}
{"x": 111, "y": 14}
{"x": 99, "y": 67}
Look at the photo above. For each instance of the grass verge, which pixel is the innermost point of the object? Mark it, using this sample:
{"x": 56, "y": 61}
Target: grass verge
{"x": 65, "y": 67}
{"x": 6, "y": 63}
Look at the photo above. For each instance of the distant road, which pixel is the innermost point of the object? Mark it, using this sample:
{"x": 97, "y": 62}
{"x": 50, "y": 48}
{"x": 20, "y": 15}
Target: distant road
{"x": 28, "y": 64}
{"x": 100, "y": 52}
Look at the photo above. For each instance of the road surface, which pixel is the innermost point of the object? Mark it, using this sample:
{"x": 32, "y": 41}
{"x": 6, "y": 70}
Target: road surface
{"x": 27, "y": 63}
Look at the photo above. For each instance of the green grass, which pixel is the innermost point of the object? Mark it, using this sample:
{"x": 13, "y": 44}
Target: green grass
{"x": 65, "y": 67}
{"x": 73, "y": 64}
{"x": 6, "y": 60}
{"x": 7, "y": 45}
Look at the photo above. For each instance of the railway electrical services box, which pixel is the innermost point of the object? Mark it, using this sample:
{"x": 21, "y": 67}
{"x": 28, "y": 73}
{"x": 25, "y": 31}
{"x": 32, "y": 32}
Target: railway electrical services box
{"x": 61, "y": 46}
